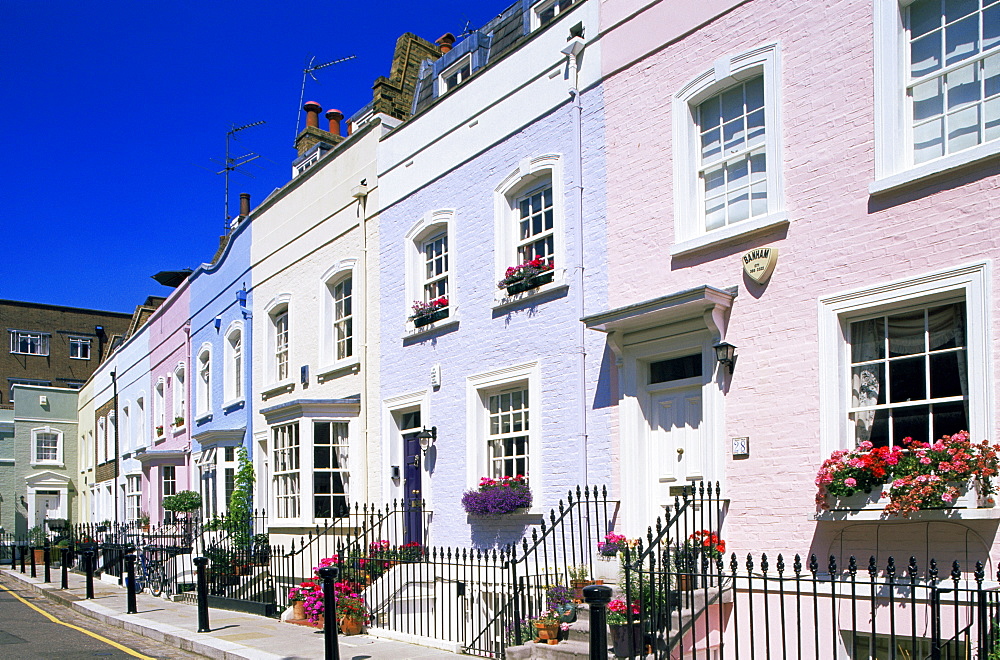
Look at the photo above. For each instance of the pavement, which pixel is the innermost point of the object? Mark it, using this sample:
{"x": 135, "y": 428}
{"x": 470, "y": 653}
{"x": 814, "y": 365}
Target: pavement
{"x": 233, "y": 635}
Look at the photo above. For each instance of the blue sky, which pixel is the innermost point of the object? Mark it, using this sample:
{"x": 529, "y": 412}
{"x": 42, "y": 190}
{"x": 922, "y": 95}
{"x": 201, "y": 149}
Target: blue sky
{"x": 113, "y": 117}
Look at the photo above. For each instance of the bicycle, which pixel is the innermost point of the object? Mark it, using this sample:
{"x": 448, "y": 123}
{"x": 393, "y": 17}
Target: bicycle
{"x": 150, "y": 573}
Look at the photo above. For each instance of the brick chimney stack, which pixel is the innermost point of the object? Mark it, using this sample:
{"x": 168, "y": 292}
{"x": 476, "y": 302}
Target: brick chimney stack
{"x": 244, "y": 205}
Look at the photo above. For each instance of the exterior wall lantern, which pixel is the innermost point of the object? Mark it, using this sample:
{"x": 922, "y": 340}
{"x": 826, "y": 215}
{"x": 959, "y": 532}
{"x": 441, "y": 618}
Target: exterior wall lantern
{"x": 427, "y": 438}
{"x": 725, "y": 353}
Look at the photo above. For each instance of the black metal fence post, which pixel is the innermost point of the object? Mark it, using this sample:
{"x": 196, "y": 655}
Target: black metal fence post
{"x": 331, "y": 648}
{"x": 47, "y": 559}
{"x": 598, "y": 596}
{"x": 130, "y": 583}
{"x": 21, "y": 549}
{"x": 200, "y": 563}
{"x": 88, "y": 566}
{"x": 34, "y": 572}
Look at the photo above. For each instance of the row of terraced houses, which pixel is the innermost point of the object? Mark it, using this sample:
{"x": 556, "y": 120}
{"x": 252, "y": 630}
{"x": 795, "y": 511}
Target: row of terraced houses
{"x": 646, "y": 150}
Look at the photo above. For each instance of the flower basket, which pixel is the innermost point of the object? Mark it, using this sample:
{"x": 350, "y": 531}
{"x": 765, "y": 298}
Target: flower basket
{"x": 427, "y": 319}
{"x": 529, "y": 283}
{"x": 497, "y": 497}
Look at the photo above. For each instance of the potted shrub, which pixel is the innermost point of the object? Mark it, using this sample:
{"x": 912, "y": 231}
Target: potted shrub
{"x": 159, "y": 430}
{"x": 625, "y": 627}
{"x": 178, "y": 421}
{"x": 701, "y": 550}
{"x": 36, "y": 539}
{"x": 143, "y": 521}
{"x": 547, "y": 626}
{"x": 578, "y": 580}
{"x": 528, "y": 275}
{"x": 352, "y": 613}
{"x": 560, "y": 600}
{"x": 496, "y": 497}
{"x": 425, "y": 313}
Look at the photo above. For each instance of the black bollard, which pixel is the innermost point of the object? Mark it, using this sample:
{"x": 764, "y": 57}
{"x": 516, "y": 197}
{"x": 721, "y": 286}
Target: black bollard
{"x": 331, "y": 648}
{"x": 130, "y": 583}
{"x": 33, "y": 569}
{"x": 64, "y": 567}
{"x": 47, "y": 557}
{"x": 200, "y": 562}
{"x": 88, "y": 566}
{"x": 21, "y": 548}
{"x": 598, "y": 596}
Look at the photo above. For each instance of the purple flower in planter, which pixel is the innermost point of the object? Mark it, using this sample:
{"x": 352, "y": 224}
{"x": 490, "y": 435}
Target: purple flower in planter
{"x": 497, "y": 497}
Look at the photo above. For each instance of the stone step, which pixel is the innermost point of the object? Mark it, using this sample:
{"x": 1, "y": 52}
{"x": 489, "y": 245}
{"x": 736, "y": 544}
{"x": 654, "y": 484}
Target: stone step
{"x": 564, "y": 650}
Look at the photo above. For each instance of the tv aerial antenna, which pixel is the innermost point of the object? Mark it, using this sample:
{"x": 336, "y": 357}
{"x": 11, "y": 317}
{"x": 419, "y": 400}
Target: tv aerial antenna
{"x": 233, "y": 163}
{"x": 308, "y": 73}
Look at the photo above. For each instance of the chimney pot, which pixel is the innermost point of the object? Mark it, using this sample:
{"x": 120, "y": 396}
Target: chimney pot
{"x": 244, "y": 204}
{"x": 335, "y": 117}
{"x": 445, "y": 42}
{"x": 312, "y": 113}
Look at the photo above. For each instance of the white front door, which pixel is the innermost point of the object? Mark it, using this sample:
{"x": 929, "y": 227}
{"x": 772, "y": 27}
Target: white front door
{"x": 46, "y": 506}
{"x": 676, "y": 438}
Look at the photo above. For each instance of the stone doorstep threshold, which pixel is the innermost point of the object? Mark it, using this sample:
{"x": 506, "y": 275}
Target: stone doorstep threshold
{"x": 210, "y": 647}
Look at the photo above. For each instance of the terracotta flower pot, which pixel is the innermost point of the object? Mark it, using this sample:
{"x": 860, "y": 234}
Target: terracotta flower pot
{"x": 626, "y": 640}
{"x": 351, "y": 626}
{"x": 548, "y": 632}
{"x": 298, "y": 610}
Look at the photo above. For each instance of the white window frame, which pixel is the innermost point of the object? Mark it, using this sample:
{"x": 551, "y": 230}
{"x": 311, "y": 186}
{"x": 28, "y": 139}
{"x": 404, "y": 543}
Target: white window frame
{"x": 530, "y": 174}
{"x": 279, "y": 307}
{"x": 690, "y": 234}
{"x": 133, "y": 496}
{"x": 972, "y": 282}
{"x": 168, "y": 481}
{"x": 478, "y": 389}
{"x": 432, "y": 224}
{"x": 126, "y": 426}
{"x": 542, "y": 7}
{"x": 455, "y": 70}
{"x": 344, "y": 470}
{"x": 81, "y": 346}
{"x": 333, "y": 277}
{"x": 203, "y": 383}
{"x": 102, "y": 440}
{"x": 139, "y": 420}
{"x": 286, "y": 470}
{"x": 41, "y": 339}
{"x": 235, "y": 364}
{"x": 159, "y": 408}
{"x": 179, "y": 392}
{"x": 46, "y": 430}
{"x": 893, "y": 136}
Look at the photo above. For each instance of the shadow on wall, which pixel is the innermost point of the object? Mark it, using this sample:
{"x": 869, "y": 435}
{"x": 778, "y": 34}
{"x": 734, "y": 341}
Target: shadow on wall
{"x": 500, "y": 531}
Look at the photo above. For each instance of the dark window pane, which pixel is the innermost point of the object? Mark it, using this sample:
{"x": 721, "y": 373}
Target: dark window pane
{"x": 880, "y": 429}
{"x": 910, "y": 422}
{"x": 688, "y": 366}
{"x": 321, "y": 508}
{"x": 321, "y": 483}
{"x": 321, "y": 433}
{"x": 410, "y": 420}
{"x": 906, "y": 380}
{"x": 946, "y": 327}
{"x": 321, "y": 457}
{"x": 906, "y": 333}
{"x": 340, "y": 506}
{"x": 867, "y": 340}
{"x": 948, "y": 375}
{"x": 949, "y": 418}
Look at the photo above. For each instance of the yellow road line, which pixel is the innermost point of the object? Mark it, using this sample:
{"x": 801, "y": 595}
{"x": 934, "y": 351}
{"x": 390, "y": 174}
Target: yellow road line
{"x": 53, "y": 619}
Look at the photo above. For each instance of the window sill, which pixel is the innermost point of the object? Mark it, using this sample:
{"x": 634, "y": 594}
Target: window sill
{"x": 731, "y": 234}
{"x": 350, "y": 365}
{"x": 52, "y": 465}
{"x": 86, "y": 359}
{"x": 202, "y": 418}
{"x": 924, "y": 171}
{"x": 992, "y": 513}
{"x": 503, "y": 301}
{"x": 177, "y": 430}
{"x": 229, "y": 405}
{"x": 283, "y": 387}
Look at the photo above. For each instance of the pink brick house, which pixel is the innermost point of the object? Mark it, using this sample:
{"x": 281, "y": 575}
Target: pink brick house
{"x": 859, "y": 143}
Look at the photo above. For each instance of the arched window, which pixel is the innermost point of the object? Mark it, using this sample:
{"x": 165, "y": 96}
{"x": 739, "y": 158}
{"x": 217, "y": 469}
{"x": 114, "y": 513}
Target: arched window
{"x": 180, "y": 396}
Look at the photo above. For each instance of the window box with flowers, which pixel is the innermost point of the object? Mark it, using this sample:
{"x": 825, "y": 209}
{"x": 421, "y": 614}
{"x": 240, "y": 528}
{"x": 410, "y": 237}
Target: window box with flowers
{"x": 949, "y": 475}
{"x": 425, "y": 313}
{"x": 526, "y": 276}
{"x": 497, "y": 497}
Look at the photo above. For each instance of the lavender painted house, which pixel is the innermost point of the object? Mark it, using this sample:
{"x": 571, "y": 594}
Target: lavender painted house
{"x": 502, "y": 163}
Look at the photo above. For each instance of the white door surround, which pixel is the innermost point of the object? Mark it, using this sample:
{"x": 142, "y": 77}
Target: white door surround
{"x": 47, "y": 496}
